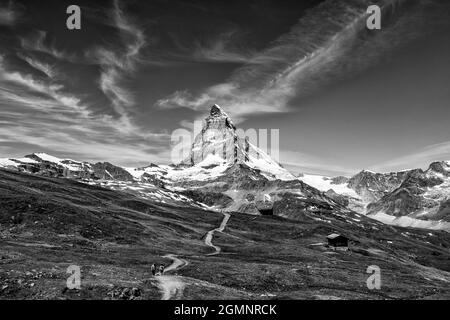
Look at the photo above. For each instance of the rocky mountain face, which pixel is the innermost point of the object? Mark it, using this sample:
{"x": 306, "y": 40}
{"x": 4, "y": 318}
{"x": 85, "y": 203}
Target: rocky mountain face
{"x": 224, "y": 171}
{"x": 107, "y": 171}
{"x": 371, "y": 186}
{"x": 251, "y": 192}
{"x": 214, "y": 183}
{"x": 47, "y": 165}
{"x": 422, "y": 195}
{"x": 217, "y": 137}
{"x": 415, "y": 198}
{"x": 227, "y": 172}
{"x": 239, "y": 176}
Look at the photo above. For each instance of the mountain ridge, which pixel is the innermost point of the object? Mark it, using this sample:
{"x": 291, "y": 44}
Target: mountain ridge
{"x": 241, "y": 177}
{"x": 413, "y": 197}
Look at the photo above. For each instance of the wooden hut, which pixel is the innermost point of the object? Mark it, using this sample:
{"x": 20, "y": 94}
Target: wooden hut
{"x": 337, "y": 241}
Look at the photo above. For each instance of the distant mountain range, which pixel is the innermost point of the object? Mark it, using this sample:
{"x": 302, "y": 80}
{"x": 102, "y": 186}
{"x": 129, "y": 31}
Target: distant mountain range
{"x": 227, "y": 172}
{"x": 413, "y": 198}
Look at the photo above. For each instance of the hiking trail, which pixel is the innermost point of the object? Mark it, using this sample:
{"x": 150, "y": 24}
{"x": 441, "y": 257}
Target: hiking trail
{"x": 210, "y": 234}
{"x": 172, "y": 285}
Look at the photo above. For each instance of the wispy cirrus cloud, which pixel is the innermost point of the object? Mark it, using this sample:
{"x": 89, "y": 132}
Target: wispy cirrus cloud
{"x": 36, "y": 42}
{"x": 329, "y": 43}
{"x": 119, "y": 62}
{"x": 42, "y": 108}
{"x": 71, "y": 143}
{"x": 268, "y": 85}
{"x": 9, "y": 14}
{"x": 300, "y": 162}
{"x": 51, "y": 91}
{"x": 307, "y": 163}
{"x": 40, "y": 66}
{"x": 42, "y": 114}
{"x": 222, "y": 48}
{"x": 117, "y": 59}
{"x": 420, "y": 159}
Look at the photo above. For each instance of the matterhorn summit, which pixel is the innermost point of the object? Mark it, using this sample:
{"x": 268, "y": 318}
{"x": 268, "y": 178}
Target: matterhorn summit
{"x": 224, "y": 170}
{"x": 219, "y": 141}
{"x": 218, "y": 148}
{"x": 217, "y": 137}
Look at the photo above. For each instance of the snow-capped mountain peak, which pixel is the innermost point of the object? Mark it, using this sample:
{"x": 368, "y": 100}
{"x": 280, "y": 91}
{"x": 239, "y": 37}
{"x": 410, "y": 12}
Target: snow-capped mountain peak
{"x": 217, "y": 111}
{"x": 440, "y": 168}
{"x": 219, "y": 138}
{"x": 45, "y": 157}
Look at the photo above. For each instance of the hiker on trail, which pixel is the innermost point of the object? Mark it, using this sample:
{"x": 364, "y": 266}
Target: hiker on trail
{"x": 161, "y": 269}
{"x": 153, "y": 268}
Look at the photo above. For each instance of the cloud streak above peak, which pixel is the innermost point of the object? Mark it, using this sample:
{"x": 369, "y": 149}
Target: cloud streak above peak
{"x": 118, "y": 62}
{"x": 9, "y": 14}
{"x": 419, "y": 159}
{"x": 329, "y": 43}
{"x": 35, "y": 42}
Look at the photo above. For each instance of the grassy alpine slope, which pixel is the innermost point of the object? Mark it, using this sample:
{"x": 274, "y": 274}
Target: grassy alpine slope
{"x": 48, "y": 224}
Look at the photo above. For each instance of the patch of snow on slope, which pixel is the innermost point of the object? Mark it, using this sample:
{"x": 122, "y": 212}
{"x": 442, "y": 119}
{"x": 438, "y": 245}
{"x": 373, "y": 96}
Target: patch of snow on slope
{"x": 49, "y": 158}
{"x": 135, "y": 172}
{"x": 438, "y": 193}
{"x": 406, "y": 221}
{"x": 26, "y": 160}
{"x": 46, "y": 157}
{"x": 268, "y": 167}
{"x": 325, "y": 183}
{"x": 211, "y": 167}
{"x": 6, "y": 163}
{"x": 211, "y": 160}
{"x": 146, "y": 191}
{"x": 270, "y": 170}
{"x": 158, "y": 171}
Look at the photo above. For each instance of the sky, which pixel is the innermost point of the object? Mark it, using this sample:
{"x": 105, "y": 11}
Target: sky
{"x": 343, "y": 97}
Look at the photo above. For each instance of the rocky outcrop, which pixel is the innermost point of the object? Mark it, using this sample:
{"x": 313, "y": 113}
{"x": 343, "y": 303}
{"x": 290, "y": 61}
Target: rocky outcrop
{"x": 440, "y": 167}
{"x": 108, "y": 171}
{"x": 217, "y": 137}
{"x": 407, "y": 198}
{"x": 339, "y": 180}
{"x": 371, "y": 186}
{"x": 444, "y": 211}
{"x": 343, "y": 200}
{"x": 228, "y": 172}
{"x": 422, "y": 195}
{"x": 211, "y": 199}
{"x": 45, "y": 165}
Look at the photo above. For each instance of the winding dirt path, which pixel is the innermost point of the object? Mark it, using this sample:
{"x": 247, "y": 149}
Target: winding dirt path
{"x": 210, "y": 234}
{"x": 172, "y": 286}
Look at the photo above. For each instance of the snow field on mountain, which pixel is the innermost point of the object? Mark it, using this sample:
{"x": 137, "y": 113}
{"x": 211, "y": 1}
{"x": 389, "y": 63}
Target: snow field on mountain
{"x": 324, "y": 184}
{"x": 406, "y": 221}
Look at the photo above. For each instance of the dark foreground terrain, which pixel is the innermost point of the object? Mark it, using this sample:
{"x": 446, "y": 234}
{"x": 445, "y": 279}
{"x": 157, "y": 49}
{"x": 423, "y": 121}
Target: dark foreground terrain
{"x": 48, "y": 224}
